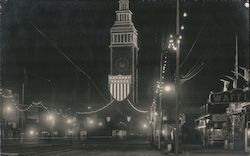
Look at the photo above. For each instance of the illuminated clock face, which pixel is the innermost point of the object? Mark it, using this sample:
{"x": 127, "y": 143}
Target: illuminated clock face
{"x": 122, "y": 64}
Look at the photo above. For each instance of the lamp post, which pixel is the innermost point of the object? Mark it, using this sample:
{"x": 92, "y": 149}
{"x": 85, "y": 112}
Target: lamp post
{"x": 161, "y": 88}
{"x": 51, "y": 120}
{"x": 52, "y": 85}
{"x": 23, "y": 98}
{"x": 69, "y": 131}
{"x": 160, "y": 118}
{"x": 2, "y": 5}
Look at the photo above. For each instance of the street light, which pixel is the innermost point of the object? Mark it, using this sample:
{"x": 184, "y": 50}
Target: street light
{"x": 8, "y": 109}
{"x": 90, "y": 121}
{"x": 128, "y": 118}
{"x": 184, "y": 14}
{"x": 144, "y": 126}
{"x": 100, "y": 124}
{"x": 247, "y": 4}
{"x": 156, "y": 114}
{"x": 167, "y": 88}
{"x": 182, "y": 27}
{"x": 31, "y": 132}
{"x": 69, "y": 121}
{"x": 51, "y": 119}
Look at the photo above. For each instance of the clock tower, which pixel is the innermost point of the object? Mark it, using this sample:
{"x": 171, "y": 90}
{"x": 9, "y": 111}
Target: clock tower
{"x": 123, "y": 80}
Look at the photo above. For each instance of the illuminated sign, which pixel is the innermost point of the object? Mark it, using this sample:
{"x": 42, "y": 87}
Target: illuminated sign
{"x": 236, "y": 95}
{"x": 219, "y": 117}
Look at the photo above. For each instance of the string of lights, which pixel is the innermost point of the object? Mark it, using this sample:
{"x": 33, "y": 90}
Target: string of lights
{"x": 37, "y": 103}
{"x": 23, "y": 110}
{"x": 28, "y": 107}
{"x": 95, "y": 111}
{"x": 138, "y": 110}
{"x": 33, "y": 104}
{"x": 44, "y": 106}
{"x": 40, "y": 104}
{"x": 64, "y": 116}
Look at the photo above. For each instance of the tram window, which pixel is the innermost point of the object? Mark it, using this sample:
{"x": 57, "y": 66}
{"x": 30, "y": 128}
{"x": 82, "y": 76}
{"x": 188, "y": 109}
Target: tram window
{"x": 218, "y": 125}
{"x": 215, "y": 125}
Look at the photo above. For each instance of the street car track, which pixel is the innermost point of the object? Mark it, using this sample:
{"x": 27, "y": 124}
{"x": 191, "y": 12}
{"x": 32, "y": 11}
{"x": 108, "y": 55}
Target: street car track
{"x": 42, "y": 150}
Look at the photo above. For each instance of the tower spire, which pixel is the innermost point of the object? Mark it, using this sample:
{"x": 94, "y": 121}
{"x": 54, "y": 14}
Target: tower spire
{"x": 123, "y": 31}
{"x": 123, "y": 5}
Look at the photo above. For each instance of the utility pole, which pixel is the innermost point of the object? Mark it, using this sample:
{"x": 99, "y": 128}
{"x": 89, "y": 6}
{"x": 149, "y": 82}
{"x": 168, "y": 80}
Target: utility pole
{"x": 177, "y": 78}
{"x": 160, "y": 104}
{"x": 154, "y": 114}
{"x": 2, "y": 3}
{"x": 22, "y": 115}
{"x": 23, "y": 96}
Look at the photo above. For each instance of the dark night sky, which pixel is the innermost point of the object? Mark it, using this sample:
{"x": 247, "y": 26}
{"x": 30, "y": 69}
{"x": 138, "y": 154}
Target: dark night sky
{"x": 80, "y": 28}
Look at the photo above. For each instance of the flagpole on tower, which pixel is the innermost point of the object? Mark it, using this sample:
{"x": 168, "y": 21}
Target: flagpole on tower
{"x": 236, "y": 65}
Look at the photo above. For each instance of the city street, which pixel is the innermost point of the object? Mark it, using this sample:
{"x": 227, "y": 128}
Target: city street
{"x": 124, "y": 78}
{"x": 106, "y": 147}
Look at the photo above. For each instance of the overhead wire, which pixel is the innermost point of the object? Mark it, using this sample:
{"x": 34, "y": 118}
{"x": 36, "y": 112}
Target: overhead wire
{"x": 193, "y": 74}
{"x": 191, "y": 49}
{"x": 75, "y": 65}
{"x": 193, "y": 70}
{"x": 197, "y": 65}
